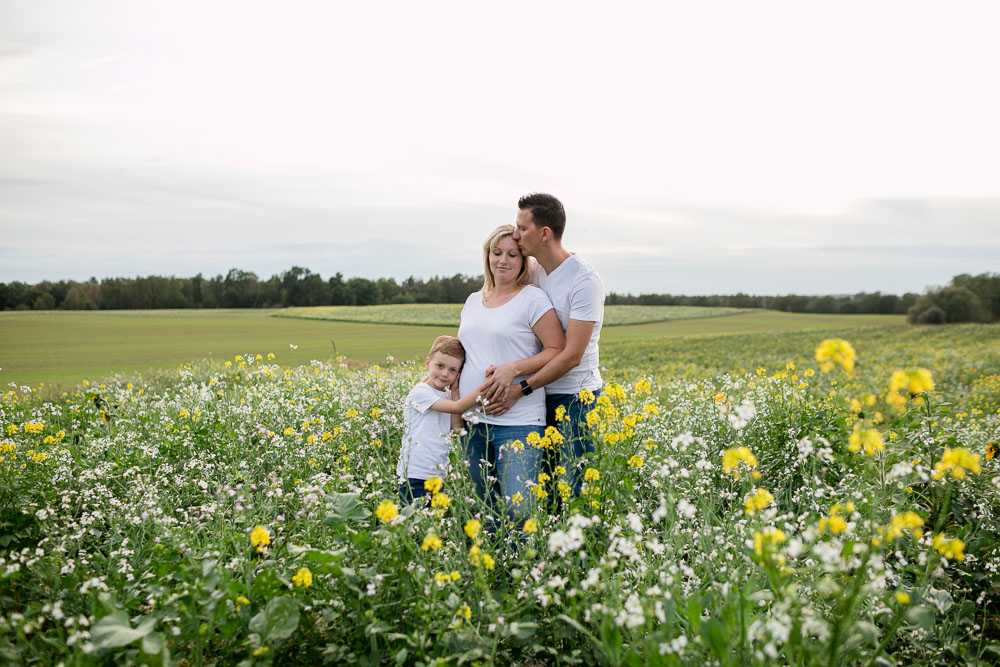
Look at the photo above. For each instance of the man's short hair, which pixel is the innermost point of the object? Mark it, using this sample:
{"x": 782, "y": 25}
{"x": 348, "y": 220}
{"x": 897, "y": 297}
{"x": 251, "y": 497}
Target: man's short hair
{"x": 448, "y": 345}
{"x": 546, "y": 211}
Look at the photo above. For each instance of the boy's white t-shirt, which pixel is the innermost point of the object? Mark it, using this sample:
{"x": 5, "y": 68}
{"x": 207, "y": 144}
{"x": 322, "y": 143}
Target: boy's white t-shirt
{"x": 424, "y": 452}
{"x": 577, "y": 293}
{"x": 496, "y": 336}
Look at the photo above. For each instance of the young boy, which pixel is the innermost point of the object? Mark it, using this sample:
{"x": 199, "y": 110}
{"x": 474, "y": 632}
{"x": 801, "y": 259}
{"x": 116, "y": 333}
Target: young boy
{"x": 432, "y": 409}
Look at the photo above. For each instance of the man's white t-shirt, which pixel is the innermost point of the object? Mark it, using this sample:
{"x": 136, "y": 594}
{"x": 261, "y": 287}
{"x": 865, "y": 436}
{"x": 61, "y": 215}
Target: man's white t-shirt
{"x": 577, "y": 293}
{"x": 496, "y": 336}
{"x": 424, "y": 452}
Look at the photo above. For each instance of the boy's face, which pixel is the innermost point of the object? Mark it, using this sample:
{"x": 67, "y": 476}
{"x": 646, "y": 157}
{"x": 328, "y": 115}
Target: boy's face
{"x": 442, "y": 370}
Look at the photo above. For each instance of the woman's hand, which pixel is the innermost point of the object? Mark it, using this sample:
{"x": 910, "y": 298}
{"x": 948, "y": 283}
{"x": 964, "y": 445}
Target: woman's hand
{"x": 498, "y": 382}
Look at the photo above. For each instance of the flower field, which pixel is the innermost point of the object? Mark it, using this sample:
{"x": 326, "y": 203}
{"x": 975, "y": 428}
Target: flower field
{"x": 802, "y": 498}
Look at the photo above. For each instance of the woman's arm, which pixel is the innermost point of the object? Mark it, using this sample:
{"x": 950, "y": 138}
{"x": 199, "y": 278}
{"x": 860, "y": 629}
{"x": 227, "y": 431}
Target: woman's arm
{"x": 497, "y": 386}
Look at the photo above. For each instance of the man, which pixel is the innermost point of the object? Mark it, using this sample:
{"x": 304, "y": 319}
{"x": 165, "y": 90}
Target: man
{"x": 577, "y": 293}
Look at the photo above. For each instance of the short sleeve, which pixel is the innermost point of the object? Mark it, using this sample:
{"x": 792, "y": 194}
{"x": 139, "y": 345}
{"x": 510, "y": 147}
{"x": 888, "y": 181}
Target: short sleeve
{"x": 587, "y": 302}
{"x": 422, "y": 397}
{"x": 538, "y": 306}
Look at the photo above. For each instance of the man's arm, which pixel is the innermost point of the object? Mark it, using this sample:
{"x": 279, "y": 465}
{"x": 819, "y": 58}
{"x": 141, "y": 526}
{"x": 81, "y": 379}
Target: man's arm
{"x": 578, "y": 335}
{"x": 497, "y": 386}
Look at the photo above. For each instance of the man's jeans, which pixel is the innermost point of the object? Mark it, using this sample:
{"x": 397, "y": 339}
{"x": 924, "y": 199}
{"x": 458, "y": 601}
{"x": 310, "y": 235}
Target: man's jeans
{"x": 577, "y": 440}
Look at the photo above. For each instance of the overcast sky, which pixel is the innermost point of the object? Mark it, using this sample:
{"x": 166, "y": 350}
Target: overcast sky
{"x": 699, "y": 147}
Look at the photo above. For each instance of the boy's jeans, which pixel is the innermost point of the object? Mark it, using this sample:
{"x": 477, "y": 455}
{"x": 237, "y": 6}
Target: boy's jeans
{"x": 412, "y": 489}
{"x": 577, "y": 441}
{"x": 489, "y": 454}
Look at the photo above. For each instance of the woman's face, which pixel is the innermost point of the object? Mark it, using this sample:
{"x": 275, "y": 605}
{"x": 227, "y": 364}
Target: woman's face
{"x": 506, "y": 260}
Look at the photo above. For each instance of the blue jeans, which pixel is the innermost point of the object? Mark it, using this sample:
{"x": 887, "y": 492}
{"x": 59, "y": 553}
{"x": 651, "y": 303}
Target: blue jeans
{"x": 499, "y": 471}
{"x": 577, "y": 441}
{"x": 412, "y": 489}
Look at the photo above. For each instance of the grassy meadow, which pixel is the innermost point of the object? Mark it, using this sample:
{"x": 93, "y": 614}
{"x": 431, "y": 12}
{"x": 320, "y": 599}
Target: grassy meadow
{"x": 820, "y": 491}
{"x": 60, "y": 349}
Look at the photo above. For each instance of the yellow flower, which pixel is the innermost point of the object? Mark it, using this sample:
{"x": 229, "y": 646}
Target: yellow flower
{"x": 956, "y": 461}
{"x": 635, "y": 462}
{"x": 869, "y": 439}
{"x": 559, "y": 470}
{"x": 455, "y": 575}
{"x": 442, "y": 578}
{"x": 757, "y": 501}
{"x": 553, "y": 435}
{"x": 263, "y": 649}
{"x": 434, "y": 484}
{"x": 464, "y": 611}
{"x": 488, "y": 562}
{"x": 908, "y": 520}
{"x": 643, "y": 386}
{"x": 530, "y": 526}
{"x": 534, "y": 440}
{"x": 386, "y": 511}
{"x": 733, "y": 457}
{"x": 260, "y": 538}
{"x": 304, "y": 577}
{"x": 615, "y": 391}
{"x": 560, "y": 413}
{"x": 543, "y": 477}
{"x": 517, "y": 498}
{"x": 902, "y": 597}
{"x": 991, "y": 451}
{"x": 591, "y": 475}
{"x": 770, "y": 538}
{"x": 472, "y": 528}
{"x": 351, "y": 414}
{"x": 586, "y": 396}
{"x": 441, "y": 500}
{"x": 651, "y": 409}
{"x": 953, "y": 549}
{"x": 836, "y": 351}
{"x": 431, "y": 543}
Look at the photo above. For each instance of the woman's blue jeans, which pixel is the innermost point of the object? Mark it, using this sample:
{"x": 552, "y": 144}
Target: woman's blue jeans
{"x": 500, "y": 471}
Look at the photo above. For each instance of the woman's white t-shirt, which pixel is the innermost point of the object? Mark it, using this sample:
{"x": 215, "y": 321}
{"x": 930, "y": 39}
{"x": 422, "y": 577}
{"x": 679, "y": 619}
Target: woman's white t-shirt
{"x": 495, "y": 336}
{"x": 424, "y": 453}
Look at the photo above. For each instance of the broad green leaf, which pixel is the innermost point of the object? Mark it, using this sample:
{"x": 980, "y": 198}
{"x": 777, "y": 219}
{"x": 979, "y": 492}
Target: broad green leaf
{"x": 278, "y": 620}
{"x": 114, "y": 631}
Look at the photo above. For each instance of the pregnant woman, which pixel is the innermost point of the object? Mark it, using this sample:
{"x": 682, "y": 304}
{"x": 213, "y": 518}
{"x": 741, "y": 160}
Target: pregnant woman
{"x": 509, "y": 321}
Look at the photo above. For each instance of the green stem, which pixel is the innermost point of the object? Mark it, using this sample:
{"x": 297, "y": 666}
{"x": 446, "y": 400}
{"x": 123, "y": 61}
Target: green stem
{"x": 847, "y": 606}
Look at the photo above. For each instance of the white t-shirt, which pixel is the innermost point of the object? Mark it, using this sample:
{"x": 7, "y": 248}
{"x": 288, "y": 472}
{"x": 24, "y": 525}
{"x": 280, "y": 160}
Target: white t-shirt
{"x": 495, "y": 336}
{"x": 577, "y": 293}
{"x": 424, "y": 453}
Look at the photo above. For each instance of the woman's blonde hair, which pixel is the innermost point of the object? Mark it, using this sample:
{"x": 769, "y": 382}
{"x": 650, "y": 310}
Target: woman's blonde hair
{"x": 523, "y": 278}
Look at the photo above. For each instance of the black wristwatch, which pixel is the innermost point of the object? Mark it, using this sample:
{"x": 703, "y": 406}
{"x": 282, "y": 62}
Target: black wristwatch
{"x": 526, "y": 388}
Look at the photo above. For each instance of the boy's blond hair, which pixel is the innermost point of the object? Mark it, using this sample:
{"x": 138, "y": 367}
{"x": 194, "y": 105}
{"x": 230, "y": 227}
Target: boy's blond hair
{"x": 447, "y": 345}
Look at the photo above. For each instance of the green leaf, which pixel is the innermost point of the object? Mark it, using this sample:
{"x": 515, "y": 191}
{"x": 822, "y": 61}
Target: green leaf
{"x": 278, "y": 620}
{"x": 266, "y": 585}
{"x": 346, "y": 508}
{"x": 921, "y": 616}
{"x": 714, "y": 636}
{"x": 152, "y": 644}
{"x": 114, "y": 631}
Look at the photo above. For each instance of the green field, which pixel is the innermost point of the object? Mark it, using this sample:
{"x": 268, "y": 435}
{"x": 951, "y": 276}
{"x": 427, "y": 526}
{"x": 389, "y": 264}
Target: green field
{"x": 449, "y": 314}
{"x": 60, "y": 349}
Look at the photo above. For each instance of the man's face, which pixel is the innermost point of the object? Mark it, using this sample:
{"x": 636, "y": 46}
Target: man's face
{"x": 526, "y": 233}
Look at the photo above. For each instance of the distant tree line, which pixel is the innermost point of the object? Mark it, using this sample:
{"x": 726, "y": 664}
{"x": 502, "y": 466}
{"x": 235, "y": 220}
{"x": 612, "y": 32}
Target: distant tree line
{"x": 966, "y": 299}
{"x": 237, "y": 289}
{"x": 862, "y": 303}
